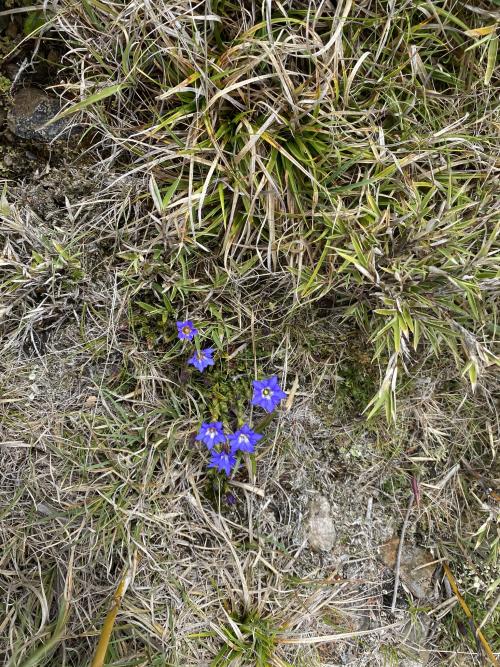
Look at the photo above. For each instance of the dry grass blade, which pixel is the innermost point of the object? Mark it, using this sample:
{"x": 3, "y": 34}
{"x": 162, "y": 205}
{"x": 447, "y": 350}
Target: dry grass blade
{"x": 333, "y": 638}
{"x": 49, "y": 645}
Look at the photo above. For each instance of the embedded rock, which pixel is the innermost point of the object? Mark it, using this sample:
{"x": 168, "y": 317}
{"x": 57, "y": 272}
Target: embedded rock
{"x": 320, "y": 529}
{"x": 417, "y": 567}
{"x": 32, "y": 108}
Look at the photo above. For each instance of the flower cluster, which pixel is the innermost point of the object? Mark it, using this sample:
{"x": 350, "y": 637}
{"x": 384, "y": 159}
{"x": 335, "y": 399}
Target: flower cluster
{"x": 224, "y": 447}
{"x": 201, "y": 359}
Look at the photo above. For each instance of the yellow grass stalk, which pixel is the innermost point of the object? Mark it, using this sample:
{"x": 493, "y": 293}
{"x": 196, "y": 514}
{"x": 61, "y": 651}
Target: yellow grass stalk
{"x": 468, "y": 613}
{"x": 109, "y": 622}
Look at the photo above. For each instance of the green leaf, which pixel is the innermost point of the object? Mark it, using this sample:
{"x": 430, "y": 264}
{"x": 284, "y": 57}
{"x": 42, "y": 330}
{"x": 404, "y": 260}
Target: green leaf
{"x": 147, "y": 307}
{"x": 155, "y": 194}
{"x": 492, "y": 59}
{"x": 33, "y": 22}
{"x": 169, "y": 193}
{"x": 88, "y": 101}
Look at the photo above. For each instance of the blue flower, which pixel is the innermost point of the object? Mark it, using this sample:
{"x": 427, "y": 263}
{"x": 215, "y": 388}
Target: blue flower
{"x": 202, "y": 359}
{"x": 211, "y": 434}
{"x": 244, "y": 440}
{"x": 186, "y": 330}
{"x": 223, "y": 461}
{"x": 267, "y": 393}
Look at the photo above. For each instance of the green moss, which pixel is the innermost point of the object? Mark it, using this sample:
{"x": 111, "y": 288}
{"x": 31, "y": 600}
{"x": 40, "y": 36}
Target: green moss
{"x": 396, "y": 482}
{"x": 149, "y": 330}
{"x": 358, "y": 385}
{"x": 228, "y": 397}
{"x": 5, "y": 84}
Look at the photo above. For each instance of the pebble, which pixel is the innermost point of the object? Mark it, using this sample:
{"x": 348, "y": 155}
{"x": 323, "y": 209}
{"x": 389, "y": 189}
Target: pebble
{"x": 320, "y": 529}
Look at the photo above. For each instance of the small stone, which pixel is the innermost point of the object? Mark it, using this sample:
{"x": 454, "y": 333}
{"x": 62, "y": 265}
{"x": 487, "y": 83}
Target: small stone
{"x": 415, "y": 571}
{"x": 31, "y": 109}
{"x": 320, "y": 529}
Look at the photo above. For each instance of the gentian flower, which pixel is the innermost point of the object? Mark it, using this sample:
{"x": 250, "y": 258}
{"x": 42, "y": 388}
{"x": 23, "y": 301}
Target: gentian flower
{"x": 186, "y": 330}
{"x": 223, "y": 461}
{"x": 211, "y": 434}
{"x": 202, "y": 359}
{"x": 244, "y": 440}
{"x": 267, "y": 393}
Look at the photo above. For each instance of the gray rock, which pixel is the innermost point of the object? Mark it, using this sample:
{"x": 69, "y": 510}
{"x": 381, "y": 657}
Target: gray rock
{"x": 31, "y": 109}
{"x": 320, "y": 529}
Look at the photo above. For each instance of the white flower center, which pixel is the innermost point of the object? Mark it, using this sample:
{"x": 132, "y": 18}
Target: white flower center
{"x": 244, "y": 439}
